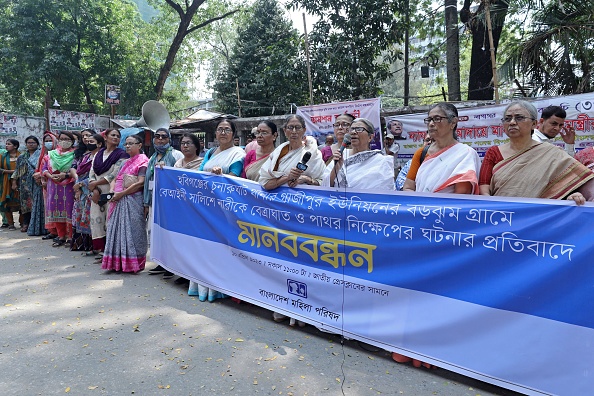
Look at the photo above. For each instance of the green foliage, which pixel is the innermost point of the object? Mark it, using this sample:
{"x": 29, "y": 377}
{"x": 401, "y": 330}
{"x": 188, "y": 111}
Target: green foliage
{"x": 75, "y": 48}
{"x": 556, "y": 53}
{"x": 266, "y": 63}
{"x": 346, "y": 44}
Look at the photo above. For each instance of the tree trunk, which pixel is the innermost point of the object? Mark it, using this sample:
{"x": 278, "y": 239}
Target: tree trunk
{"x": 480, "y": 85}
{"x": 171, "y": 54}
{"x": 452, "y": 50}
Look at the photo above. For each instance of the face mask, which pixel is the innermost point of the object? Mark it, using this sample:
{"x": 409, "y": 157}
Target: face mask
{"x": 161, "y": 148}
{"x": 91, "y": 146}
{"x": 49, "y": 145}
{"x": 66, "y": 145}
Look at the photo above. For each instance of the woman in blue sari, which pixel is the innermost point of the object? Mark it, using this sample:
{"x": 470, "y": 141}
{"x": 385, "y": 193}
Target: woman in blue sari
{"x": 22, "y": 180}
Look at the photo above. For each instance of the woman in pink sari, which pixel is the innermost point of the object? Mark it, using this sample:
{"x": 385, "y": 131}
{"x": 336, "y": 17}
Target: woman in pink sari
{"x": 126, "y": 240}
{"x": 266, "y": 135}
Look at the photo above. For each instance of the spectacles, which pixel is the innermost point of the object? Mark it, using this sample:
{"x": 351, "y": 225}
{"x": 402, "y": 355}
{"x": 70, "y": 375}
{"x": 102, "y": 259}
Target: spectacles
{"x": 162, "y": 137}
{"x": 435, "y": 119}
{"x": 186, "y": 144}
{"x": 224, "y": 130}
{"x": 518, "y": 118}
{"x": 262, "y": 134}
{"x": 343, "y": 125}
{"x": 293, "y": 127}
{"x": 130, "y": 144}
{"x": 358, "y": 130}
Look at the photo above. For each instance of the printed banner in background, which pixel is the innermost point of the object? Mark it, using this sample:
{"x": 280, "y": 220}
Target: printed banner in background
{"x": 496, "y": 290}
{"x": 61, "y": 120}
{"x": 319, "y": 118}
{"x": 480, "y": 127}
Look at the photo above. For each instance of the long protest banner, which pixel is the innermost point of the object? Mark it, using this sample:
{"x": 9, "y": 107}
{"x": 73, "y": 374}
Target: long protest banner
{"x": 496, "y": 290}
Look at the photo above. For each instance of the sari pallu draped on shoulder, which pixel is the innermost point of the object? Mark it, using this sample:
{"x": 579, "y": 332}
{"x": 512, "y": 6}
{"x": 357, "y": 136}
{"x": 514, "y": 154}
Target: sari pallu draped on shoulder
{"x": 440, "y": 172}
{"x": 230, "y": 160}
{"x": 126, "y": 240}
{"x": 541, "y": 171}
{"x": 279, "y": 165}
{"x": 23, "y": 175}
{"x": 60, "y": 195}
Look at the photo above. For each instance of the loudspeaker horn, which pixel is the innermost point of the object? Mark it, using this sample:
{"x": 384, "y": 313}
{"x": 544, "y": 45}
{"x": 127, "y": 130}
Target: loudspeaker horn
{"x": 154, "y": 116}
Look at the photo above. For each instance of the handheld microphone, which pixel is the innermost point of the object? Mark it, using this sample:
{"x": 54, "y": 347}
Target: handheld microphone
{"x": 346, "y": 142}
{"x": 306, "y": 157}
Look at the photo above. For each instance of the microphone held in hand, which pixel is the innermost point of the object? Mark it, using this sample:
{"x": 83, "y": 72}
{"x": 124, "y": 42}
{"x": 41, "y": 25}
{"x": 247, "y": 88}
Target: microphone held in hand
{"x": 346, "y": 142}
{"x": 306, "y": 157}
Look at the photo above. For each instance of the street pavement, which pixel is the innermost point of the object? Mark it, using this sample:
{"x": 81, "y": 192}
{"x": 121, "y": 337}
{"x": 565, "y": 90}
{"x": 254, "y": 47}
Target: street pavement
{"x": 67, "y": 327}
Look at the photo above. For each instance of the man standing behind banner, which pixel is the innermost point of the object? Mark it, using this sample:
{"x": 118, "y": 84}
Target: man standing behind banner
{"x": 391, "y": 148}
{"x": 551, "y": 124}
{"x": 282, "y": 165}
{"x": 364, "y": 168}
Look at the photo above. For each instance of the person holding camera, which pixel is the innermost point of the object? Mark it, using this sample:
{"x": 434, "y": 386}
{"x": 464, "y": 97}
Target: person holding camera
{"x": 126, "y": 240}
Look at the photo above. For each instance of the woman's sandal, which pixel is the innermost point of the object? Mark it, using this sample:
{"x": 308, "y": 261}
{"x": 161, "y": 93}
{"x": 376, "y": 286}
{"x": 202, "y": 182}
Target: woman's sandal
{"x": 58, "y": 243}
{"x": 48, "y": 236}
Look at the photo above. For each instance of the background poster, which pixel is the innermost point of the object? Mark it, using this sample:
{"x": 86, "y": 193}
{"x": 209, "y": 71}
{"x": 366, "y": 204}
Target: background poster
{"x": 319, "y": 118}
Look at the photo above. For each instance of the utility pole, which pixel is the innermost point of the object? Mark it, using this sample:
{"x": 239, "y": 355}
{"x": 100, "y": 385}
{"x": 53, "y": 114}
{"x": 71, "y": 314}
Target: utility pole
{"x": 452, "y": 50}
{"x": 406, "y": 49}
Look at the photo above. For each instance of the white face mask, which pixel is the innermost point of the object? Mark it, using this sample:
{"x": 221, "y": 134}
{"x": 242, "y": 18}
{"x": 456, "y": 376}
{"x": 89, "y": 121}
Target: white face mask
{"x": 49, "y": 145}
{"x": 65, "y": 145}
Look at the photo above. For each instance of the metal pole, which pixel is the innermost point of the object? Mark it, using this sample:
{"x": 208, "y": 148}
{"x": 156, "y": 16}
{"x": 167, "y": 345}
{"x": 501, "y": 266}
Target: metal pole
{"x": 238, "y": 100}
{"x": 308, "y": 63}
{"x": 492, "y": 49}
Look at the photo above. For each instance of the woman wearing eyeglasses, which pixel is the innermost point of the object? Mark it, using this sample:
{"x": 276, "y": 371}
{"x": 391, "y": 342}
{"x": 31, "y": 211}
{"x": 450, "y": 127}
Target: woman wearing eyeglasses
{"x": 126, "y": 241}
{"x": 364, "y": 168}
{"x": 448, "y": 166}
{"x": 227, "y": 159}
{"x": 266, "y": 135}
{"x": 341, "y": 127}
{"x": 282, "y": 165}
{"x": 525, "y": 167}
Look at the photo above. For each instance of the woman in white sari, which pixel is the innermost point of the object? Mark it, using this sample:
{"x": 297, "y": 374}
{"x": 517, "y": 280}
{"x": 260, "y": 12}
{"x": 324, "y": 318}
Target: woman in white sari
{"x": 281, "y": 166}
{"x": 448, "y": 166}
{"x": 364, "y": 168}
{"x": 227, "y": 159}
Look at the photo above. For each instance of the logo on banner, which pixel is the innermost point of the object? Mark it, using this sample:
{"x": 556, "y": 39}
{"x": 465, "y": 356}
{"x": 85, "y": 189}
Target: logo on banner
{"x": 297, "y": 288}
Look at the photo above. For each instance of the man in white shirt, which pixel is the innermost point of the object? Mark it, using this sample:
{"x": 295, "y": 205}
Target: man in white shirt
{"x": 391, "y": 148}
{"x": 551, "y": 124}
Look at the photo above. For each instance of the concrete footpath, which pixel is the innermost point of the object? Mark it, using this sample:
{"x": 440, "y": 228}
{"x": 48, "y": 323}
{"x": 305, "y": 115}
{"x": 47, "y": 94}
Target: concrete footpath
{"x": 68, "y": 327}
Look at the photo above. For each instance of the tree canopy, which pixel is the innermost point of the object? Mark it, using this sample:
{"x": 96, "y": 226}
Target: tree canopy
{"x": 266, "y": 62}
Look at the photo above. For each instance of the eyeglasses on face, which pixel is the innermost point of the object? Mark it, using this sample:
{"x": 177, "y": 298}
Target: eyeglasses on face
{"x": 358, "y": 130}
{"x": 435, "y": 119}
{"x": 162, "y": 137}
{"x": 518, "y": 118}
{"x": 293, "y": 127}
{"x": 343, "y": 125}
{"x": 224, "y": 130}
{"x": 186, "y": 144}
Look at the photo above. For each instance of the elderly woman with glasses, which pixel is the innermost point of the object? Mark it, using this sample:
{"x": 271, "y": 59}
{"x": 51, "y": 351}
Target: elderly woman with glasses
{"x": 448, "y": 166}
{"x": 282, "y": 166}
{"x": 524, "y": 167}
{"x": 364, "y": 168}
{"x": 341, "y": 127}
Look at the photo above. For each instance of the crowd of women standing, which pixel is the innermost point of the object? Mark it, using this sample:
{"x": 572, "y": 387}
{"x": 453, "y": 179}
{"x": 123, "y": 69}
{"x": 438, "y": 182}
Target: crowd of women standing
{"x": 82, "y": 191}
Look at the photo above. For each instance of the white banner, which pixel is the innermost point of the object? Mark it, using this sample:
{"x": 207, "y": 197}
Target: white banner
{"x": 481, "y": 128}
{"x": 319, "y": 118}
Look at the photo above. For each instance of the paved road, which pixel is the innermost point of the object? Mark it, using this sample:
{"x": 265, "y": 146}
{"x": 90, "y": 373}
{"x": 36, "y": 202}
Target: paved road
{"x": 68, "y": 327}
